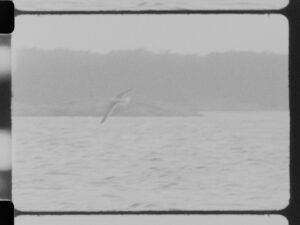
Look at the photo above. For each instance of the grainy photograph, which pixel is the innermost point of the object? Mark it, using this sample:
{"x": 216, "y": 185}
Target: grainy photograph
{"x": 150, "y": 112}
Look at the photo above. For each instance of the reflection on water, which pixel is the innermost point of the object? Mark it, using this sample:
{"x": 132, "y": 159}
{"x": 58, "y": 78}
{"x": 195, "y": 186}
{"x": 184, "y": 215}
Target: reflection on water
{"x": 219, "y": 161}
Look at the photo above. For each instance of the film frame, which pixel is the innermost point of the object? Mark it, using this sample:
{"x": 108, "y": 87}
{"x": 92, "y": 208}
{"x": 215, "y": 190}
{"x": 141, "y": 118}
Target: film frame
{"x": 291, "y": 12}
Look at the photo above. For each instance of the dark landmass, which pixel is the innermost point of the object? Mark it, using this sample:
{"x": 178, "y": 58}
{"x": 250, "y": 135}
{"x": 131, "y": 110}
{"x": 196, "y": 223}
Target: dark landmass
{"x": 63, "y": 82}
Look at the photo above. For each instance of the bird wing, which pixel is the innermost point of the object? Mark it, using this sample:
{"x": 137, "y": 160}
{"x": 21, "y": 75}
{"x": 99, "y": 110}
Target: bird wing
{"x": 120, "y": 95}
{"x": 109, "y": 110}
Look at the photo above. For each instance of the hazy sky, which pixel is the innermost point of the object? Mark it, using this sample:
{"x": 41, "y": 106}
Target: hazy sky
{"x": 151, "y": 220}
{"x": 200, "y": 34}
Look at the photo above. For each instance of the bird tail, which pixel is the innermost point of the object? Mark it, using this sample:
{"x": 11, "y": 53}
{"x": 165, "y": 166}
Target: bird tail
{"x": 103, "y": 120}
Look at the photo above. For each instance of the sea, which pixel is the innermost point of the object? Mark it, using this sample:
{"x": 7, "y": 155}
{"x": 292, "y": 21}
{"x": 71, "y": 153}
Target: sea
{"x": 220, "y": 160}
{"x": 147, "y": 4}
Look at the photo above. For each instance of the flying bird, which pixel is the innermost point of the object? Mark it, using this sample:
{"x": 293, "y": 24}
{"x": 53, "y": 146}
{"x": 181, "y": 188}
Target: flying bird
{"x": 122, "y": 98}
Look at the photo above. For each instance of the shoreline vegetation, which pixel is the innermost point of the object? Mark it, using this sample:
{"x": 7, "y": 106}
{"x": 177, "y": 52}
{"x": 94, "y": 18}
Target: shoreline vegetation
{"x": 63, "y": 82}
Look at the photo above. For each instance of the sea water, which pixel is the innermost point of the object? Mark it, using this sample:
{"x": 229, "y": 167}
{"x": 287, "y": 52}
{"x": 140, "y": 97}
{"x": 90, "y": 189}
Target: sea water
{"x": 148, "y": 4}
{"x": 232, "y": 160}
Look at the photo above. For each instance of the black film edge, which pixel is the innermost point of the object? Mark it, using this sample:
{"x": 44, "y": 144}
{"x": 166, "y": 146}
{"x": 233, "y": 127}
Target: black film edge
{"x": 6, "y": 17}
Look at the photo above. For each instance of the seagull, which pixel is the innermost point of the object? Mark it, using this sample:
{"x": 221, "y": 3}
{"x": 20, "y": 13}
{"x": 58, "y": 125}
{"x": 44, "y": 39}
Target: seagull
{"x": 120, "y": 99}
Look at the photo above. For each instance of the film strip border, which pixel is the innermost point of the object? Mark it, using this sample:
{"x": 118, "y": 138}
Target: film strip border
{"x": 7, "y": 14}
{"x": 6, "y": 28}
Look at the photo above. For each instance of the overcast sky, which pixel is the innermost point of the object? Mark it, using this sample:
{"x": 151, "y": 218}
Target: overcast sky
{"x": 185, "y": 34}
